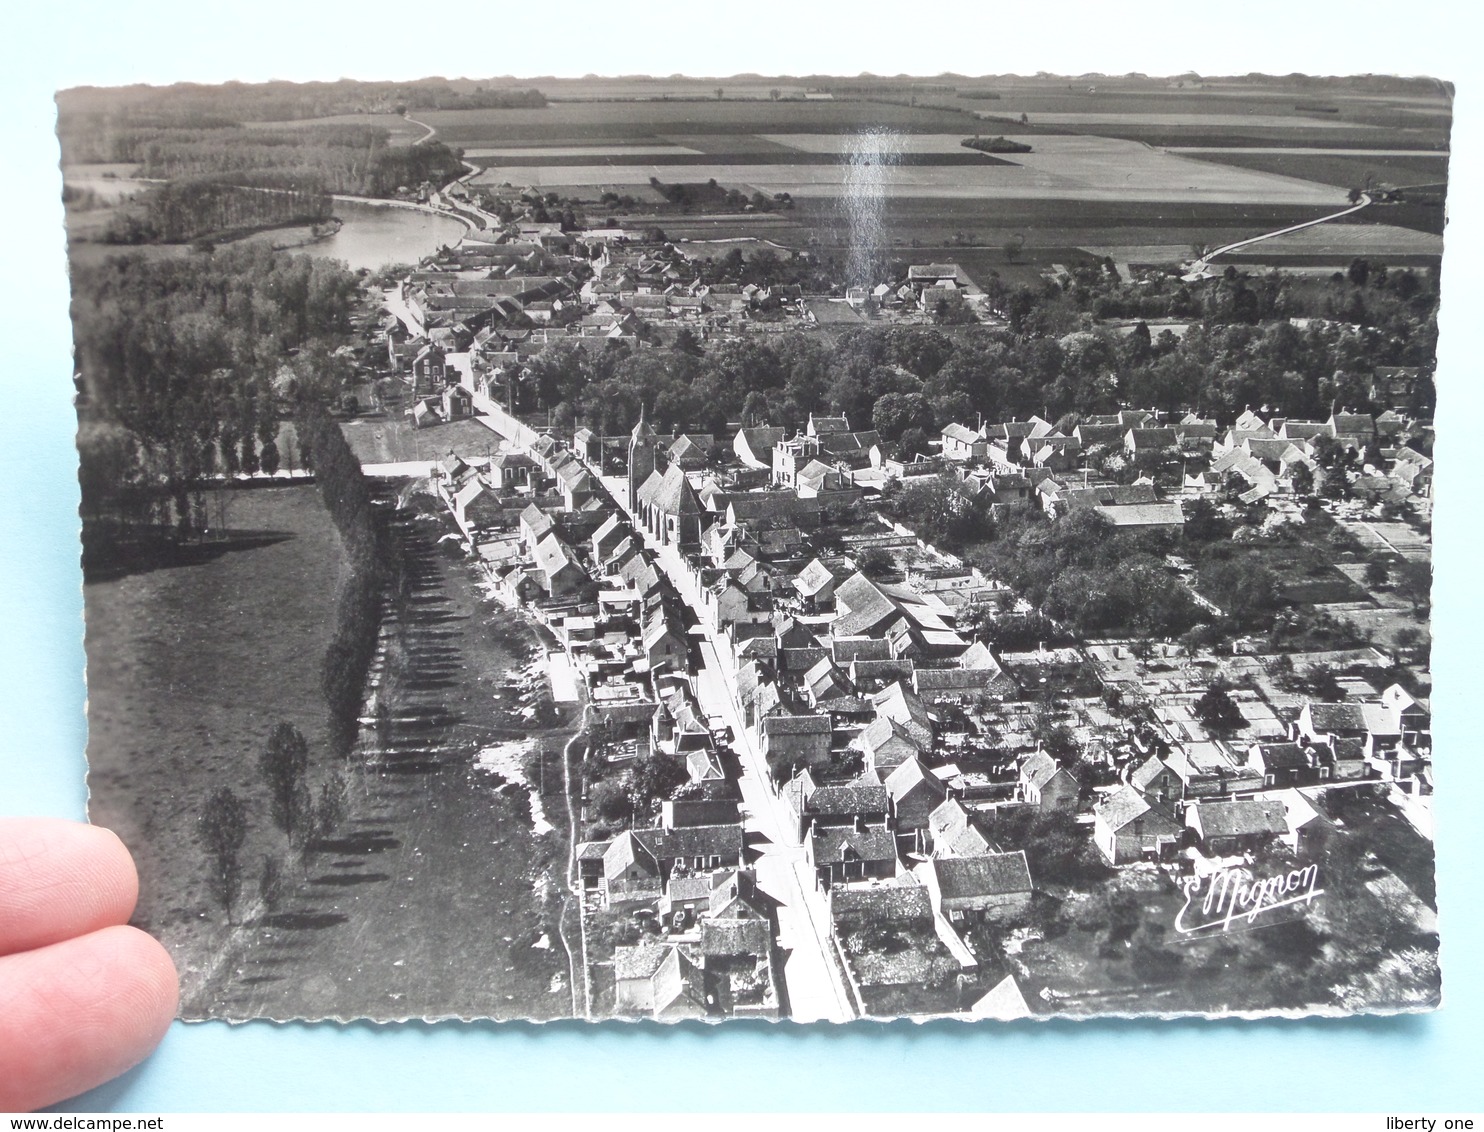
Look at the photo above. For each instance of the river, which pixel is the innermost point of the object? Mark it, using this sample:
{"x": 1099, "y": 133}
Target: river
{"x": 375, "y": 236}
{"x": 370, "y": 237}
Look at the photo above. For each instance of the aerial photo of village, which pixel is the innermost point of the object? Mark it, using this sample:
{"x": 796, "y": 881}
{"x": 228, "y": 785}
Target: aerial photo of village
{"x": 781, "y": 548}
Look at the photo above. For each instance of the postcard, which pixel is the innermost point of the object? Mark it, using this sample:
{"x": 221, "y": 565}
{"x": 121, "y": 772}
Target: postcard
{"x": 763, "y": 547}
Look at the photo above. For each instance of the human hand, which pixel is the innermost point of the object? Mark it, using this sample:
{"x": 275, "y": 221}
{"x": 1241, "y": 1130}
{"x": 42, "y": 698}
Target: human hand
{"x": 83, "y": 997}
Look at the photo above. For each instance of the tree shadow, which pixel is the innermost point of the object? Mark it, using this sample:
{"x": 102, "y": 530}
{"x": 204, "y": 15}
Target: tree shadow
{"x": 346, "y": 880}
{"x": 303, "y": 921}
{"x": 411, "y": 766}
{"x": 366, "y": 841}
{"x": 115, "y": 561}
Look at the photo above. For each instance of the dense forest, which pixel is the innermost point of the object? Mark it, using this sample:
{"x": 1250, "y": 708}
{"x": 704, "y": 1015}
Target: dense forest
{"x": 355, "y": 159}
{"x": 1055, "y": 361}
{"x": 207, "y": 142}
{"x": 92, "y": 119}
{"x": 185, "y": 368}
{"x": 193, "y": 207}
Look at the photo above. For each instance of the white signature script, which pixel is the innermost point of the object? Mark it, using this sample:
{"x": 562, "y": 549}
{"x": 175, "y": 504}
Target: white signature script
{"x": 1231, "y": 895}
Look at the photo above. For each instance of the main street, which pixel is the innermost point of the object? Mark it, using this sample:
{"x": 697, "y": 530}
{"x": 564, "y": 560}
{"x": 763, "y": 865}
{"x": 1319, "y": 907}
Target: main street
{"x": 816, "y": 989}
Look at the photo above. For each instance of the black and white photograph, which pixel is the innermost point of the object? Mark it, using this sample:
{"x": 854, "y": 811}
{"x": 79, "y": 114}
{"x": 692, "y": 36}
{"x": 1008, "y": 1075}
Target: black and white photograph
{"x": 778, "y": 547}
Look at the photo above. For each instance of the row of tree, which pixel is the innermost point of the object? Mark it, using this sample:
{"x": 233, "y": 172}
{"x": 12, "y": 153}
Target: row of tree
{"x": 300, "y": 813}
{"x": 183, "y": 376}
{"x": 377, "y": 570}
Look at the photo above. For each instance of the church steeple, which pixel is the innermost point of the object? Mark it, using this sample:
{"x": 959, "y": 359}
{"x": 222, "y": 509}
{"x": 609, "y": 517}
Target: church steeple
{"x": 641, "y": 458}
{"x": 642, "y": 433}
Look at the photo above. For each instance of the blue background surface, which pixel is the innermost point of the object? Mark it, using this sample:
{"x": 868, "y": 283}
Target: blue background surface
{"x": 1428, "y": 1063}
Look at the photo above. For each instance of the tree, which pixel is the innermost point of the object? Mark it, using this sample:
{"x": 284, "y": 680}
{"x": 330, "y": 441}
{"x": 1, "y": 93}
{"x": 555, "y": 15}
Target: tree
{"x": 951, "y": 310}
{"x": 609, "y": 801}
{"x": 1202, "y": 523}
{"x": 329, "y": 809}
{"x": 755, "y": 410}
{"x": 1414, "y": 582}
{"x": 268, "y": 458}
{"x": 914, "y": 443}
{"x": 1218, "y": 711}
{"x": 1302, "y": 478}
{"x": 874, "y": 562}
{"x": 1377, "y": 573}
{"x": 284, "y": 766}
{"x": 895, "y": 413}
{"x": 1322, "y": 683}
{"x": 654, "y": 780}
{"x": 271, "y": 882}
{"x": 222, "y": 826}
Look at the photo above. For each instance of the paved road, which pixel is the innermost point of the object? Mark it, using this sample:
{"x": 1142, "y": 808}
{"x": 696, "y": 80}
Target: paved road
{"x": 815, "y": 988}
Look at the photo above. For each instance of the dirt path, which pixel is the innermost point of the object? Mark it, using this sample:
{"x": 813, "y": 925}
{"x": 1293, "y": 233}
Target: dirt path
{"x": 434, "y": 897}
{"x": 427, "y": 137}
{"x": 1204, "y": 263}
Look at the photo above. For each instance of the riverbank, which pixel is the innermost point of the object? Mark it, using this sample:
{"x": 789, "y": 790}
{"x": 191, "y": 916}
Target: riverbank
{"x": 286, "y": 238}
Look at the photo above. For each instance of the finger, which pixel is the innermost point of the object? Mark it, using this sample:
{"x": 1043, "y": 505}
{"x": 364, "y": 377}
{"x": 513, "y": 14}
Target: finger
{"x": 60, "y": 879}
{"x": 77, "y": 1013}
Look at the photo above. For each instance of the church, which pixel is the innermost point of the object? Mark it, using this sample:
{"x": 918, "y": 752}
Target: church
{"x": 660, "y": 496}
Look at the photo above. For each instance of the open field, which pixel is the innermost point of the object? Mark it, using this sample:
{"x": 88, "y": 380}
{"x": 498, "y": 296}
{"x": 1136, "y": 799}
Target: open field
{"x": 432, "y": 897}
{"x": 1069, "y": 168}
{"x": 634, "y": 155}
{"x": 401, "y": 131}
{"x": 1248, "y": 135}
{"x": 391, "y": 439}
{"x": 109, "y": 182}
{"x": 1344, "y": 170}
{"x": 889, "y": 143}
{"x": 622, "y": 120}
{"x": 1344, "y": 241}
{"x": 643, "y": 88}
{"x": 189, "y": 669}
{"x": 578, "y": 150}
{"x": 1098, "y": 119}
{"x": 1062, "y": 100}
